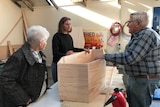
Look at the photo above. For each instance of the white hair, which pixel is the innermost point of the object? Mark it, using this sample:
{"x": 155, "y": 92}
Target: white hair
{"x": 36, "y": 34}
{"x": 141, "y": 16}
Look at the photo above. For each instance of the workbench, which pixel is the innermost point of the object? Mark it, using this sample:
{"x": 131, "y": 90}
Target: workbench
{"x": 51, "y": 99}
{"x": 114, "y": 79}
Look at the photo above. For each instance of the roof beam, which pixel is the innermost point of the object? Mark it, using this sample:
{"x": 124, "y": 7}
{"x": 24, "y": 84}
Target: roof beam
{"x": 54, "y": 4}
{"x": 28, "y": 4}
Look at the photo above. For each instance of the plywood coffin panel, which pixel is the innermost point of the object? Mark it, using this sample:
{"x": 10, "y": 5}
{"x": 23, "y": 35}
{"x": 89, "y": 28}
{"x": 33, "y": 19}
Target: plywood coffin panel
{"x": 80, "y": 77}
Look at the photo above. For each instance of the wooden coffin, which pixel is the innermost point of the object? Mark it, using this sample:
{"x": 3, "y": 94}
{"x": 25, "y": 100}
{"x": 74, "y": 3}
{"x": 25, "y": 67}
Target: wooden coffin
{"x": 81, "y": 78}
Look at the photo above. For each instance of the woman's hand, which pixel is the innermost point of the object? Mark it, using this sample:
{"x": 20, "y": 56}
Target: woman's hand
{"x": 86, "y": 50}
{"x": 69, "y": 52}
{"x": 29, "y": 101}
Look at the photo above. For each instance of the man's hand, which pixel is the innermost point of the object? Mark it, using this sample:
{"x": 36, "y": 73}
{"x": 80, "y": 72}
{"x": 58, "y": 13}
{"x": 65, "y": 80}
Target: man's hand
{"x": 69, "y": 52}
{"x": 100, "y": 56}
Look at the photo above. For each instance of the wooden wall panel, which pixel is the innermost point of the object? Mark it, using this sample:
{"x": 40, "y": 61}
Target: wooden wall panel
{"x": 4, "y": 51}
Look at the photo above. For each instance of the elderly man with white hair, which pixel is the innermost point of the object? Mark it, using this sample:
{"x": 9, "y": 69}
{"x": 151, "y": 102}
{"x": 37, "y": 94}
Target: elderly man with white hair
{"x": 141, "y": 60}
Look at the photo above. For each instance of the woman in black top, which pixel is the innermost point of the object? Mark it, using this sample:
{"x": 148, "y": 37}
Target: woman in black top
{"x": 62, "y": 44}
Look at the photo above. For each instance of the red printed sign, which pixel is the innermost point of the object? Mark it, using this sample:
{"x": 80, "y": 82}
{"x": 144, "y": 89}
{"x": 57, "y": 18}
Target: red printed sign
{"x": 95, "y": 39}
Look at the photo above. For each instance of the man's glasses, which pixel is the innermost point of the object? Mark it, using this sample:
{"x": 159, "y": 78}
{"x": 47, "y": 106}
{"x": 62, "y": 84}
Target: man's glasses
{"x": 128, "y": 22}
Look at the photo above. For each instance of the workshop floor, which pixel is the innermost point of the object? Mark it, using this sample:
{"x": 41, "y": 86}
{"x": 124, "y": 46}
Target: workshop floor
{"x": 155, "y": 103}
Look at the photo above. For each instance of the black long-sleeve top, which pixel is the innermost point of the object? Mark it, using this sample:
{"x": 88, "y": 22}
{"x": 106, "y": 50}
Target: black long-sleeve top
{"x": 61, "y": 43}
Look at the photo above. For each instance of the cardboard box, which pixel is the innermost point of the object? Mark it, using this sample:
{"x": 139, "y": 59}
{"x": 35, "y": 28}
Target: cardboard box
{"x": 81, "y": 78}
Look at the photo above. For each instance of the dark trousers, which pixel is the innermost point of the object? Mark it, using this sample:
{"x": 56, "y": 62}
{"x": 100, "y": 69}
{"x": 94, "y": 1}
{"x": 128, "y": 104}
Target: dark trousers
{"x": 54, "y": 72}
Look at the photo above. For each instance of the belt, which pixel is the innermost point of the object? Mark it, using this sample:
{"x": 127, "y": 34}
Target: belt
{"x": 147, "y": 76}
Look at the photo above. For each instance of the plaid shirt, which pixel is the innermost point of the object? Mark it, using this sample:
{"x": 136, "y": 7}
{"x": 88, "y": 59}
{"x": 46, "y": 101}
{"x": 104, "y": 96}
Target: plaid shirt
{"x": 142, "y": 54}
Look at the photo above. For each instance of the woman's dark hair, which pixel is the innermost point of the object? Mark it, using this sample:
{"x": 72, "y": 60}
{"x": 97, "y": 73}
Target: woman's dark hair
{"x": 61, "y": 22}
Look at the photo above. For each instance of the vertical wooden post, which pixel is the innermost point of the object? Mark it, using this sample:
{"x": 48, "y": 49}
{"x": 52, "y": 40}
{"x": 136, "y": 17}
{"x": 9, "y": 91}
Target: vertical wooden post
{"x": 10, "y": 48}
{"x": 24, "y": 25}
{"x": 85, "y": 2}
